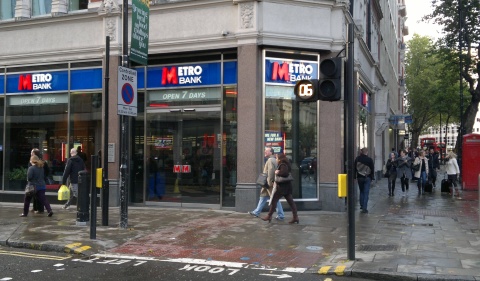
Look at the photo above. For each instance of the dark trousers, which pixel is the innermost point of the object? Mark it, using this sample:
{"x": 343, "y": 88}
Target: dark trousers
{"x": 37, "y": 206}
{"x": 288, "y": 197}
{"x": 404, "y": 183}
{"x": 41, "y": 197}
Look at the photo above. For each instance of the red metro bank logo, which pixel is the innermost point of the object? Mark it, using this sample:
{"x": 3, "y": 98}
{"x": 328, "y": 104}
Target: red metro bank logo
{"x": 289, "y": 72}
{"x": 179, "y": 75}
{"x": 29, "y": 82}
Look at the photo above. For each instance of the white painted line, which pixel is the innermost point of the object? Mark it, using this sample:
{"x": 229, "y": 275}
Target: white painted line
{"x": 207, "y": 262}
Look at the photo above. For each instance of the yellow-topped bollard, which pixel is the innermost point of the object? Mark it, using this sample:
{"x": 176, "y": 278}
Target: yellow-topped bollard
{"x": 99, "y": 179}
{"x": 342, "y": 185}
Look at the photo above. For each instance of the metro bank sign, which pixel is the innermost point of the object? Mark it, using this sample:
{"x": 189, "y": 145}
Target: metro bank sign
{"x": 288, "y": 72}
{"x": 37, "y": 82}
{"x": 203, "y": 74}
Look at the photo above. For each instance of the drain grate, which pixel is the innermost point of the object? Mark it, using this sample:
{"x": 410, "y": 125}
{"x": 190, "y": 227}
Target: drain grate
{"x": 373, "y": 248}
{"x": 433, "y": 213}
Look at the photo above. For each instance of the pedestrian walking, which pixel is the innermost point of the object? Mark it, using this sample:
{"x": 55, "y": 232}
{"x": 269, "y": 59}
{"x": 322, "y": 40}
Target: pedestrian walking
{"x": 453, "y": 171}
{"x": 391, "y": 166}
{"x": 422, "y": 172}
{"x": 269, "y": 168}
{"x": 433, "y": 165}
{"x": 74, "y": 165}
{"x": 404, "y": 171}
{"x": 36, "y": 177}
{"x": 283, "y": 189}
{"x": 38, "y": 208}
{"x": 363, "y": 173}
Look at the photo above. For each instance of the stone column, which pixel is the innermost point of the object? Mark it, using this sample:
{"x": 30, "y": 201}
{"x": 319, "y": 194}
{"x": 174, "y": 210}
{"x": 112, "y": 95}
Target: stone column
{"x": 23, "y": 9}
{"x": 59, "y": 7}
{"x": 250, "y": 116}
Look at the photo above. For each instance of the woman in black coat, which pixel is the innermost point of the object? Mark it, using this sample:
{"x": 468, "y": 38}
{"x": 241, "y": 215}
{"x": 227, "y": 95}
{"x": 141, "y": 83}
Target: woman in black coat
{"x": 284, "y": 189}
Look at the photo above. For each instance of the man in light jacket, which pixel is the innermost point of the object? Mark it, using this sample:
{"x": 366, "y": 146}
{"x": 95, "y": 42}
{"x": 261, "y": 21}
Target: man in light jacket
{"x": 269, "y": 169}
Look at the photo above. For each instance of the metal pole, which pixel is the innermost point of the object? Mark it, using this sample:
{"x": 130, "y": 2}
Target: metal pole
{"x": 440, "y": 139}
{"x": 350, "y": 145}
{"x": 93, "y": 198}
{"x": 460, "y": 34}
{"x": 105, "y": 188}
{"x": 124, "y": 132}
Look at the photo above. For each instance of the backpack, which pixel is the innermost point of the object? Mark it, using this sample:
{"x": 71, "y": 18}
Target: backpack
{"x": 363, "y": 169}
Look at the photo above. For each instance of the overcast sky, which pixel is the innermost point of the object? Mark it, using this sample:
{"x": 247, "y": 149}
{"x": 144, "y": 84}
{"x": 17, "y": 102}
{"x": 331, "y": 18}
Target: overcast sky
{"x": 416, "y": 9}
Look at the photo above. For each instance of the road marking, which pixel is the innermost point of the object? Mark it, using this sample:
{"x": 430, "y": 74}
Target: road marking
{"x": 77, "y": 248}
{"x": 339, "y": 270}
{"x": 35, "y": 256}
{"x": 282, "y": 276}
{"x": 324, "y": 269}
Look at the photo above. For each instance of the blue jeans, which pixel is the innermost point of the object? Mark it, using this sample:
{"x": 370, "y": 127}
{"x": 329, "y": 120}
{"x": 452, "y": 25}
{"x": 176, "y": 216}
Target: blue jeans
{"x": 364, "y": 186}
{"x": 422, "y": 181}
{"x": 261, "y": 203}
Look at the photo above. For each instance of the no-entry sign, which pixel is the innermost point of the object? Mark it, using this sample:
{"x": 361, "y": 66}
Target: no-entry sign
{"x": 127, "y": 91}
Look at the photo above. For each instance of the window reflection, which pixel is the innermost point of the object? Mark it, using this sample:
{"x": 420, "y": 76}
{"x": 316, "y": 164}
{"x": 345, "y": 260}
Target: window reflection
{"x": 75, "y": 5}
{"x": 41, "y": 7}
{"x": 291, "y": 128}
{"x": 7, "y": 9}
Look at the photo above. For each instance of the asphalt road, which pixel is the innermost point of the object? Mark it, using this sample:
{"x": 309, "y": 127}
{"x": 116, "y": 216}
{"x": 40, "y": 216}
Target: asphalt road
{"x": 25, "y": 265}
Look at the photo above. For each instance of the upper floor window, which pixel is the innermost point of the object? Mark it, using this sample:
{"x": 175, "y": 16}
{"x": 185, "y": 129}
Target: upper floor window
{"x": 7, "y": 9}
{"x": 75, "y": 5}
{"x": 41, "y": 7}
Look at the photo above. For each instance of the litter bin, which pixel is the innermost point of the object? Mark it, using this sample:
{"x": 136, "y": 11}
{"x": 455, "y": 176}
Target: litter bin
{"x": 83, "y": 198}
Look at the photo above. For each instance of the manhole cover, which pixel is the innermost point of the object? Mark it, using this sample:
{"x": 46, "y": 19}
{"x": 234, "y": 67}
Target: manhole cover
{"x": 377, "y": 248}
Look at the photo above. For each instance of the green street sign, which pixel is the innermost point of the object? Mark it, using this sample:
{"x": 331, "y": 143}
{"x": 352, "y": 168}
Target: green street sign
{"x": 140, "y": 22}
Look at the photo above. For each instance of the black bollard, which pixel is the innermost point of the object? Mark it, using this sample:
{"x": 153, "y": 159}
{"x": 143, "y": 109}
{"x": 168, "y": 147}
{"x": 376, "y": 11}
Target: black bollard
{"x": 83, "y": 198}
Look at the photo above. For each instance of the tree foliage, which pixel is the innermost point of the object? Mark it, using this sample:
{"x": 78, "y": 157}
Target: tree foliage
{"x": 460, "y": 19}
{"x": 421, "y": 85}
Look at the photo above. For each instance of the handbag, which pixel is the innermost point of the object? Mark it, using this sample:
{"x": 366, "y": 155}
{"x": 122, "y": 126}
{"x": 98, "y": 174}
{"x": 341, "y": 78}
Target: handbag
{"x": 280, "y": 179}
{"x": 262, "y": 179}
{"x": 386, "y": 175}
{"x": 29, "y": 189}
{"x": 416, "y": 167}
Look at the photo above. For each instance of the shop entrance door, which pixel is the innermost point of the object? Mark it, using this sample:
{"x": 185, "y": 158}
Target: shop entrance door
{"x": 184, "y": 155}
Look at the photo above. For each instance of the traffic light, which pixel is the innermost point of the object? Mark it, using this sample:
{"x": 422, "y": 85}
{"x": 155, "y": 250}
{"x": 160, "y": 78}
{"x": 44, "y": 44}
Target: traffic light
{"x": 306, "y": 90}
{"x": 330, "y": 84}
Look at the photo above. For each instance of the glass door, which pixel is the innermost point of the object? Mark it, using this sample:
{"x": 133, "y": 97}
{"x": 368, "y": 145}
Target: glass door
{"x": 184, "y": 155}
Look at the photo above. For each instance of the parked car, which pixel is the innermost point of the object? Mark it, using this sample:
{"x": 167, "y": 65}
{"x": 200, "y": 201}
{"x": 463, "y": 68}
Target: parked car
{"x": 306, "y": 164}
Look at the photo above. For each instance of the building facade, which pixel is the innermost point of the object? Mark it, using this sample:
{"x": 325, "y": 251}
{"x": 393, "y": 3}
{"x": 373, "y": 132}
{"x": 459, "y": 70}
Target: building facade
{"x": 217, "y": 90}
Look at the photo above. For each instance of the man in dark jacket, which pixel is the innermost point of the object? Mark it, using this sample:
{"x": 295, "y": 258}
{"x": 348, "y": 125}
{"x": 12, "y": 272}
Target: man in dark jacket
{"x": 364, "y": 173}
{"x": 433, "y": 165}
{"x": 74, "y": 165}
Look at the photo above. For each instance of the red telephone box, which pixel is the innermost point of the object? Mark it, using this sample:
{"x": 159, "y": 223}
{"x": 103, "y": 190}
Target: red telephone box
{"x": 470, "y": 161}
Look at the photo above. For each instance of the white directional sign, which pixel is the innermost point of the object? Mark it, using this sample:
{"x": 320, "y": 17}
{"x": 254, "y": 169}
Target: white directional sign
{"x": 127, "y": 91}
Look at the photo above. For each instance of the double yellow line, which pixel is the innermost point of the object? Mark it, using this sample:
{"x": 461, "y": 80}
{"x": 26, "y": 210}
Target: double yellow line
{"x": 34, "y": 256}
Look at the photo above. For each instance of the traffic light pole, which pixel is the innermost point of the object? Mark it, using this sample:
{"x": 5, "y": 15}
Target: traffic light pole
{"x": 124, "y": 145}
{"x": 350, "y": 142}
{"x": 105, "y": 188}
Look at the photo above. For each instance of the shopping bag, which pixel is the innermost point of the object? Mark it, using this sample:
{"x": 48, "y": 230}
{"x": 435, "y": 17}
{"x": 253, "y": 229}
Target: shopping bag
{"x": 63, "y": 193}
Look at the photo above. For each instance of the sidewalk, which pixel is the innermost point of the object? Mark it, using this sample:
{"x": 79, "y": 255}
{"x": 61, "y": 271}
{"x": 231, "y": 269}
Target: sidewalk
{"x": 429, "y": 237}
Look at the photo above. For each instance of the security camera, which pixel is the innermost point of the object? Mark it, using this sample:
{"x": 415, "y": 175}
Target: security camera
{"x": 225, "y": 33}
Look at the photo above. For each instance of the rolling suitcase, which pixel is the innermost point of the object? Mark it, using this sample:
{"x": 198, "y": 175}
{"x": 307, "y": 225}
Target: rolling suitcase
{"x": 445, "y": 185}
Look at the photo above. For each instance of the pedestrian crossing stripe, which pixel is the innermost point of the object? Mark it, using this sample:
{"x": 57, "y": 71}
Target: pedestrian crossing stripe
{"x": 339, "y": 270}
{"x": 76, "y": 248}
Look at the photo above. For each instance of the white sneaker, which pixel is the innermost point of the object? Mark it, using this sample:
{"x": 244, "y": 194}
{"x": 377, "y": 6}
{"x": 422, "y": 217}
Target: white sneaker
{"x": 66, "y": 207}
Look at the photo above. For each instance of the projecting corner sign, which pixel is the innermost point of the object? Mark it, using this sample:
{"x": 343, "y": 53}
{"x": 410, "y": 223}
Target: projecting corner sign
{"x": 127, "y": 91}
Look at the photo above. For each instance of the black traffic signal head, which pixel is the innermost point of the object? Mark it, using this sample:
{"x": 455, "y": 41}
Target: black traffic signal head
{"x": 330, "y": 85}
{"x": 306, "y": 90}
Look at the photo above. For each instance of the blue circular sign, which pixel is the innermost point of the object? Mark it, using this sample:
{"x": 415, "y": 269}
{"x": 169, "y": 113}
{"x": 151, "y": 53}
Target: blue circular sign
{"x": 127, "y": 93}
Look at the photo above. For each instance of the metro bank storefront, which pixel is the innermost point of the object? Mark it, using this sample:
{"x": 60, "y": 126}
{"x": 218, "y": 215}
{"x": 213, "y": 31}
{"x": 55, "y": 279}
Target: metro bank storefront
{"x": 185, "y": 134}
{"x": 52, "y": 107}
